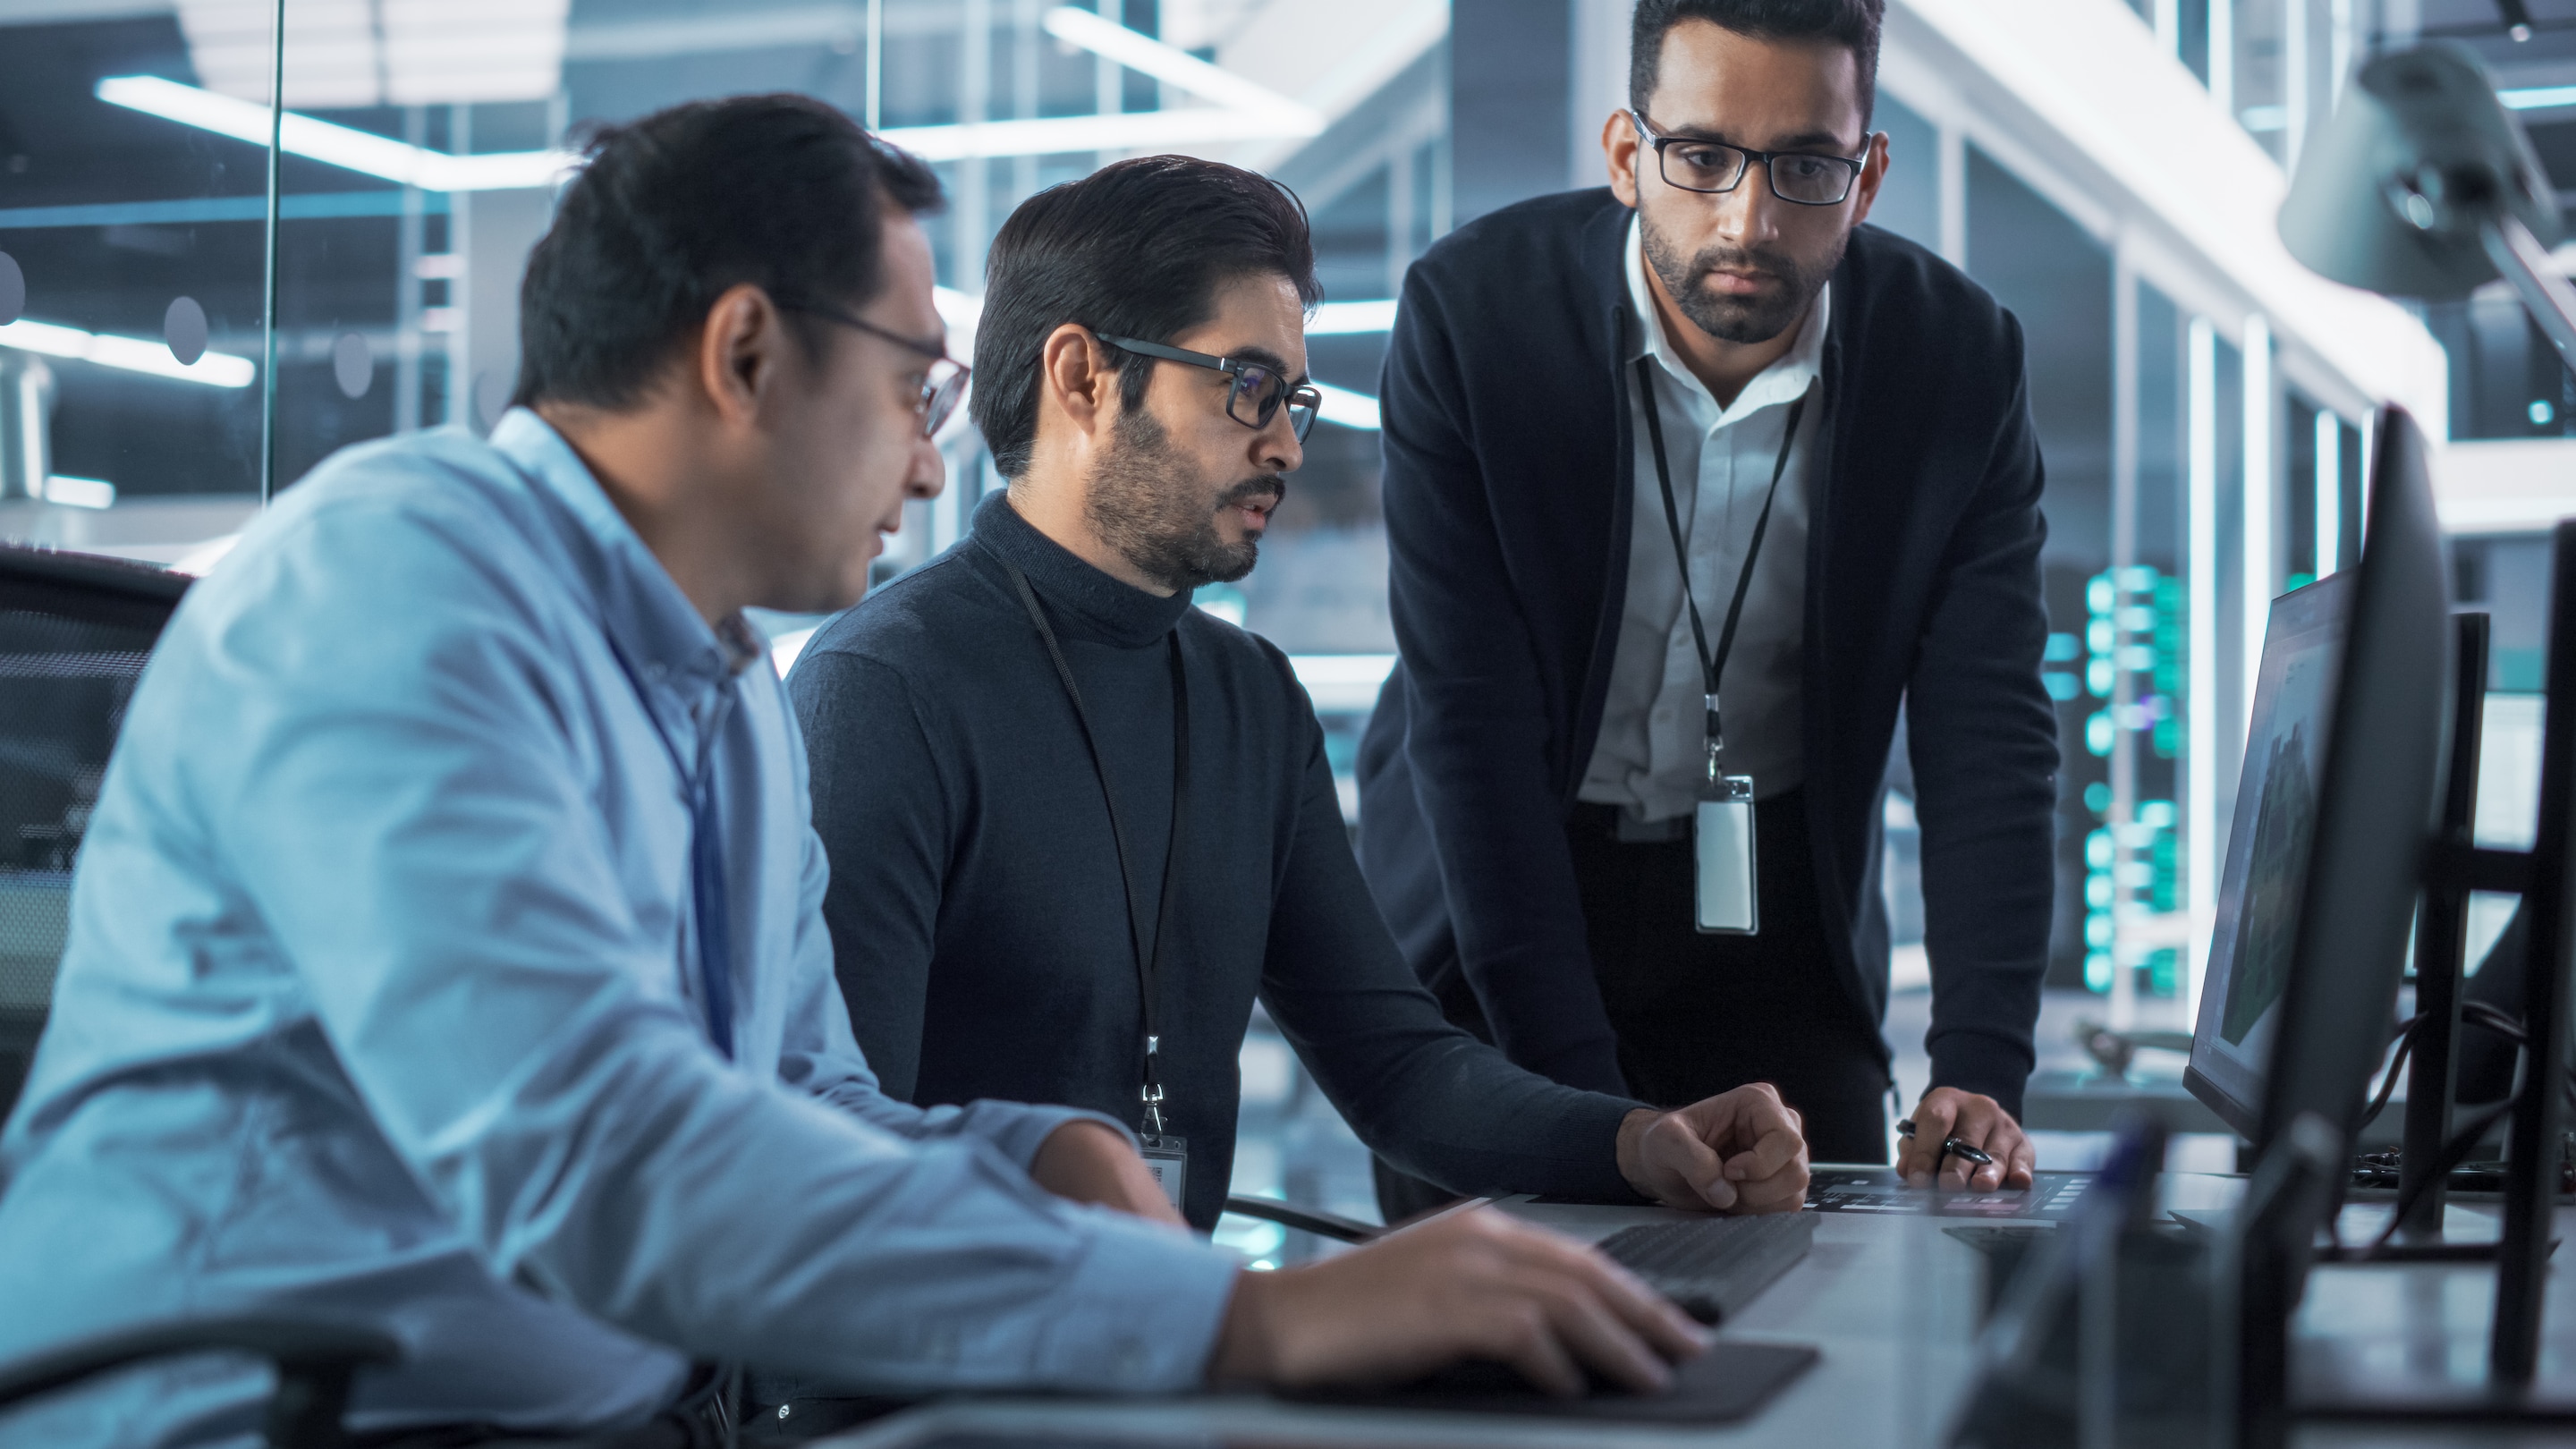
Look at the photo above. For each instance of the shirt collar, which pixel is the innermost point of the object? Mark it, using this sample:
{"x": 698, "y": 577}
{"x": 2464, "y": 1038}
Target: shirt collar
{"x": 1087, "y": 602}
{"x": 1784, "y": 381}
{"x": 639, "y": 604}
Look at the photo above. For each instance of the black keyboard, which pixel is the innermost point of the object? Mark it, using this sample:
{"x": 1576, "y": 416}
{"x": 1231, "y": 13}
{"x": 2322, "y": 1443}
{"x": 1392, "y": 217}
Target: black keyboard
{"x": 1713, "y": 1267}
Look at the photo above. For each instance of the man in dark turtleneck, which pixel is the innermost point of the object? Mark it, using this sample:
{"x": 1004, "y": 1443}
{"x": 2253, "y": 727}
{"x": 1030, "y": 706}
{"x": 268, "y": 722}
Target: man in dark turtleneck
{"x": 1045, "y": 781}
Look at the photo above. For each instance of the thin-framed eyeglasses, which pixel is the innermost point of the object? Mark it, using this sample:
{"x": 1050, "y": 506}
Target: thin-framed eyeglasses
{"x": 941, "y": 389}
{"x": 1801, "y": 178}
{"x": 1259, "y": 390}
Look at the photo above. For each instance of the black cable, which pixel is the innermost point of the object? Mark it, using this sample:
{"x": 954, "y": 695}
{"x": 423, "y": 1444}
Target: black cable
{"x": 2486, "y": 1016}
{"x": 2455, "y": 1152}
{"x": 2388, "y": 1084}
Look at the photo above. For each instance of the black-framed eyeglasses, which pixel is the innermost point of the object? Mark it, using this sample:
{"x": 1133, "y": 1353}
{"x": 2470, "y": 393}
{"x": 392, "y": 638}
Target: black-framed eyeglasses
{"x": 941, "y": 391}
{"x": 1802, "y": 178}
{"x": 1258, "y": 392}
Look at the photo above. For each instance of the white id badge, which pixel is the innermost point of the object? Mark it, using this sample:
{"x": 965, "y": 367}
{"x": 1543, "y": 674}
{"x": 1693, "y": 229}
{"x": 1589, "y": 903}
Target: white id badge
{"x": 1168, "y": 1158}
{"x": 1723, "y": 836}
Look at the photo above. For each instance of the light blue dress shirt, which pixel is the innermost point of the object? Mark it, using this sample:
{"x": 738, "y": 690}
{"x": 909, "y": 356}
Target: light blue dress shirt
{"x": 380, "y": 1006}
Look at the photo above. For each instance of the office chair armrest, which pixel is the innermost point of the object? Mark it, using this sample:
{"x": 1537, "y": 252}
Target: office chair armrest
{"x": 1305, "y": 1220}
{"x": 315, "y": 1362}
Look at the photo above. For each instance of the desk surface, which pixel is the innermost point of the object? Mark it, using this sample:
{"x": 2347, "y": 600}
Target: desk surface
{"x": 1892, "y": 1302}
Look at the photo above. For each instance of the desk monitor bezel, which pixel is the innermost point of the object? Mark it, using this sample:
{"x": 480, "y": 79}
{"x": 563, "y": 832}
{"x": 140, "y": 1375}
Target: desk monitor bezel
{"x": 2228, "y": 1079}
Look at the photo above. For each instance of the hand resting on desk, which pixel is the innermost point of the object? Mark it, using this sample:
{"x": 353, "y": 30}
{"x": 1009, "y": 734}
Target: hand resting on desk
{"x": 1743, "y": 1151}
{"x": 1465, "y": 1284}
{"x": 1979, "y": 1121}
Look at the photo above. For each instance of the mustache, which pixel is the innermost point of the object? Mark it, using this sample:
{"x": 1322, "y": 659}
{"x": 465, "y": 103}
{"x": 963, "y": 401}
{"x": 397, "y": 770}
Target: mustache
{"x": 1272, "y": 486}
{"x": 1742, "y": 259}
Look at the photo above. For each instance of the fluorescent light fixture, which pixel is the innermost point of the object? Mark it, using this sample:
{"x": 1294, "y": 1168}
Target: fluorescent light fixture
{"x": 2538, "y": 98}
{"x": 1244, "y": 110}
{"x": 1342, "y": 682}
{"x": 1175, "y": 67}
{"x": 1348, "y": 408}
{"x": 79, "y": 492}
{"x": 1337, "y": 319}
{"x": 133, "y": 354}
{"x": 1127, "y": 131}
{"x": 379, "y": 52}
{"x": 343, "y": 146}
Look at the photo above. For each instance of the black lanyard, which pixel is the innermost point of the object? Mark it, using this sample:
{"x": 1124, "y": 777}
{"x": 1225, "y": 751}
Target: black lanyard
{"x": 1712, "y": 665}
{"x": 1149, "y": 960}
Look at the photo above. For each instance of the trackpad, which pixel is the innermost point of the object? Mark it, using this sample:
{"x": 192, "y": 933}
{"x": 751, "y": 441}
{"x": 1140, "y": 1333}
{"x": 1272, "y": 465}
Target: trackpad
{"x": 1729, "y": 1381}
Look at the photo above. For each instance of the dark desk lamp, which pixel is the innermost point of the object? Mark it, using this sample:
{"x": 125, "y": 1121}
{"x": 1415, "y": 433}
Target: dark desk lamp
{"x": 2423, "y": 185}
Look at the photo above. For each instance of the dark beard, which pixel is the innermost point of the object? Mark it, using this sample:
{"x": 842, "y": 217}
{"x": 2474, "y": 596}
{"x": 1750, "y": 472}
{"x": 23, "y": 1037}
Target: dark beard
{"x": 1145, "y": 503}
{"x": 1738, "y": 319}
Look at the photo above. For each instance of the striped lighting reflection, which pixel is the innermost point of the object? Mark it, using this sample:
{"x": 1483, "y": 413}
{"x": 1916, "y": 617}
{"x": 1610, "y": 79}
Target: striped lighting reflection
{"x": 360, "y": 151}
{"x": 133, "y": 354}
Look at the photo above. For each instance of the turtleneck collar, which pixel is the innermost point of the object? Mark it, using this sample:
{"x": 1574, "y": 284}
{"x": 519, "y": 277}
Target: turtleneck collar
{"x": 1085, "y": 602}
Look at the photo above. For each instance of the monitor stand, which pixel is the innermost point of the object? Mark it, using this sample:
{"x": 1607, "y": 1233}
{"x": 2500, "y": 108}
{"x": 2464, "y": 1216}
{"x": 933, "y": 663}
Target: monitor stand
{"x": 2441, "y": 952}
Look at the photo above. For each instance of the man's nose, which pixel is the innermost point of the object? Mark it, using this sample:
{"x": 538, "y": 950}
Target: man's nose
{"x": 1276, "y": 448}
{"x": 929, "y": 474}
{"x": 1750, "y": 212}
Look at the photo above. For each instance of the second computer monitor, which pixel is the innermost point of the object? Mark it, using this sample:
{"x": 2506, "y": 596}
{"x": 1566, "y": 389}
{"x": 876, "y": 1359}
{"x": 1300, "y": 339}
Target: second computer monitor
{"x": 2260, "y": 888}
{"x": 2332, "y": 824}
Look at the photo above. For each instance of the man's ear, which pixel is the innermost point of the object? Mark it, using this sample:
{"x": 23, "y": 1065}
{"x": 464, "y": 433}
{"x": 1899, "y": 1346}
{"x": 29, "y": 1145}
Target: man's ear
{"x": 1620, "y": 148}
{"x": 1873, "y": 171}
{"x": 737, "y": 354}
{"x": 1074, "y": 379}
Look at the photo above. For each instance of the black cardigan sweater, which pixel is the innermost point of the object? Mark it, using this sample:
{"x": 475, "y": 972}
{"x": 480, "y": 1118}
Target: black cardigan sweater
{"x": 1508, "y": 488}
{"x": 980, "y": 930}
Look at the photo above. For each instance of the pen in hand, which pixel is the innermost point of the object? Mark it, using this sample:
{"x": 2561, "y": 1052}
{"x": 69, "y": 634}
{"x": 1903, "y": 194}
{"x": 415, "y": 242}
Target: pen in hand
{"x": 1950, "y": 1147}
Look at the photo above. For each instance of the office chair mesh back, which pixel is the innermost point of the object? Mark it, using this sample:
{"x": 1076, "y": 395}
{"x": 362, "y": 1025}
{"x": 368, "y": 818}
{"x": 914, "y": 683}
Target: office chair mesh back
{"x": 74, "y": 635}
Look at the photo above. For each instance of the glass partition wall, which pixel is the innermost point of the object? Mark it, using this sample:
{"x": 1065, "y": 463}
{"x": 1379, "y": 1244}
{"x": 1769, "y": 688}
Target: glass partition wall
{"x": 2197, "y": 465}
{"x": 194, "y": 320}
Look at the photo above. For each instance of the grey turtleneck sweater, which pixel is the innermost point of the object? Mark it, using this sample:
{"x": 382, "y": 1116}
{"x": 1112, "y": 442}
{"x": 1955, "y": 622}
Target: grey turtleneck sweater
{"x": 978, "y": 916}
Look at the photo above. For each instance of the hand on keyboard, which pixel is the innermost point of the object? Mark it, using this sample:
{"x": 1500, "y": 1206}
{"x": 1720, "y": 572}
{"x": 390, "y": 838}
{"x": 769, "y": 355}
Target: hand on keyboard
{"x": 1743, "y": 1151}
{"x": 1469, "y": 1284}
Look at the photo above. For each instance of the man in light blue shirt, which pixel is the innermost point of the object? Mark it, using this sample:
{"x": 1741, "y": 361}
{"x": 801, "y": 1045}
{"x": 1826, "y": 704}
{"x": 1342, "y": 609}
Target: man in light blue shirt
{"x": 446, "y": 953}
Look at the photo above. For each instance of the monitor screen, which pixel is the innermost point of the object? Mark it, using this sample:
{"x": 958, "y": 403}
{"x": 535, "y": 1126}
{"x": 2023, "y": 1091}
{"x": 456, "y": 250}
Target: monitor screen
{"x": 2267, "y": 850}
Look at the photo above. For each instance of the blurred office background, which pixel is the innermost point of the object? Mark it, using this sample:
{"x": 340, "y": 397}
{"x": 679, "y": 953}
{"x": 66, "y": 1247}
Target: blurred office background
{"x": 179, "y": 344}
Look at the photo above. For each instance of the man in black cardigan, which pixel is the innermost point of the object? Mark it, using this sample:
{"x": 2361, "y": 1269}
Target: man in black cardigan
{"x": 1530, "y": 779}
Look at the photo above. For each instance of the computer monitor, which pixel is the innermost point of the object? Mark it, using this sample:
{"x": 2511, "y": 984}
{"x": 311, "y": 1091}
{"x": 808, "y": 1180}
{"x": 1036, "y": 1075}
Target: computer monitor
{"x": 2334, "y": 810}
{"x": 2302, "y": 1044}
{"x": 2377, "y": 803}
{"x": 2267, "y": 851}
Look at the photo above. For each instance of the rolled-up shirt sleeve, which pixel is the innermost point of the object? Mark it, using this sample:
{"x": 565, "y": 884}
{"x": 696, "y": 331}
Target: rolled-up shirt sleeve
{"x": 411, "y": 821}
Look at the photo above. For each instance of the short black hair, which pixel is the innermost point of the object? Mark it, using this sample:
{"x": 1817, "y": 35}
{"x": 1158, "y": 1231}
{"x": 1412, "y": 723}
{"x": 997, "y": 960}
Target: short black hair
{"x": 780, "y": 191}
{"x": 1852, "y": 24}
{"x": 1136, "y": 249}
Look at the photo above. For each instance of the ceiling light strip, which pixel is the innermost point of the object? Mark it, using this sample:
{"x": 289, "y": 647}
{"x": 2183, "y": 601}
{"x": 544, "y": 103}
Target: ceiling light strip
{"x": 1347, "y": 408}
{"x": 131, "y": 354}
{"x": 334, "y": 145}
{"x": 1128, "y": 131}
{"x": 1174, "y": 66}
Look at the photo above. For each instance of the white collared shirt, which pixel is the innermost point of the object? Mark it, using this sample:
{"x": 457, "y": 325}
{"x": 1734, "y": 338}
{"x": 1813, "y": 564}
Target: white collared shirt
{"x": 1652, "y": 756}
